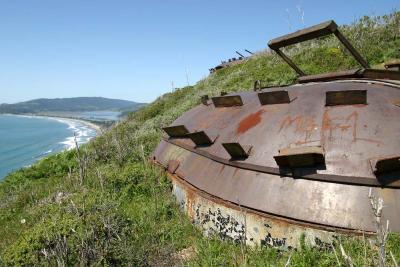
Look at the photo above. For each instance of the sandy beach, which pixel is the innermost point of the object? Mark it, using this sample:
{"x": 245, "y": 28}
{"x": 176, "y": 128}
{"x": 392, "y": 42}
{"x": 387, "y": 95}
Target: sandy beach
{"x": 66, "y": 120}
{"x": 87, "y": 123}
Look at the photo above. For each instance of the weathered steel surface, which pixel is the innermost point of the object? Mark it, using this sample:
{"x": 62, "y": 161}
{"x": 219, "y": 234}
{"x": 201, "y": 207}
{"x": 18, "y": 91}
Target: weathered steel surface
{"x": 332, "y": 195}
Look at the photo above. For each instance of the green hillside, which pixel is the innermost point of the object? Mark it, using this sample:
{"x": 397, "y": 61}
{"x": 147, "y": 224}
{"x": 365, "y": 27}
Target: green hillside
{"x": 106, "y": 205}
{"x": 69, "y": 105}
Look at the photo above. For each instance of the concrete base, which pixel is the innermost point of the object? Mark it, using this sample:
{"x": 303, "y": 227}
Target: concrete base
{"x": 230, "y": 221}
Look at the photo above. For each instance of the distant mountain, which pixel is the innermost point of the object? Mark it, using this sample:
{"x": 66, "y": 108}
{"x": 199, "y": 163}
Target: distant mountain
{"x": 69, "y": 105}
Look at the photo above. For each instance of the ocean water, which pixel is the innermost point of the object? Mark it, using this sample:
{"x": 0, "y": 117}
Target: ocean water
{"x": 26, "y": 139}
{"x": 101, "y": 115}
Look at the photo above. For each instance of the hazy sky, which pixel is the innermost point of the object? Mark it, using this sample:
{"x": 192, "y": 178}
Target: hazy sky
{"x": 134, "y": 49}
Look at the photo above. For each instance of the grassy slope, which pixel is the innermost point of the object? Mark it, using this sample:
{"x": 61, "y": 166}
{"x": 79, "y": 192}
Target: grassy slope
{"x": 120, "y": 210}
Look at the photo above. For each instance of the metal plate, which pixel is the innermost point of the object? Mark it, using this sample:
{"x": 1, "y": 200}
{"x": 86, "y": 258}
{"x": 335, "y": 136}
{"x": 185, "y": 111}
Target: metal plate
{"x": 385, "y": 165}
{"x": 176, "y": 131}
{"x": 313, "y": 32}
{"x": 274, "y": 97}
{"x": 201, "y": 138}
{"x": 348, "y": 97}
{"x": 227, "y": 101}
{"x": 381, "y": 74}
{"x": 355, "y": 73}
{"x": 300, "y": 157}
{"x": 237, "y": 151}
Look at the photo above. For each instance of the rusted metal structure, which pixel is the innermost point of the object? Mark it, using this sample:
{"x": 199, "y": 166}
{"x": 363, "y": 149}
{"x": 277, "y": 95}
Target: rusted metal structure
{"x": 269, "y": 165}
{"x": 393, "y": 65}
{"x": 231, "y": 61}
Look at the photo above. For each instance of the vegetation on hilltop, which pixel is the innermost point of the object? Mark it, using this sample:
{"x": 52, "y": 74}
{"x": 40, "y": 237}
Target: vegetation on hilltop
{"x": 104, "y": 204}
{"x": 69, "y": 105}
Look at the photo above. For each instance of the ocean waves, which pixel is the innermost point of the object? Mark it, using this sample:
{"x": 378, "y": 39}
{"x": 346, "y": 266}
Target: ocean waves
{"x": 81, "y": 131}
{"x": 27, "y": 139}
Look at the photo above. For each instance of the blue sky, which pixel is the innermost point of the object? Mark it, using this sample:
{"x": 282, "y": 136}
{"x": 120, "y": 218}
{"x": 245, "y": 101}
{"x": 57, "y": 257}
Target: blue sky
{"x": 135, "y": 49}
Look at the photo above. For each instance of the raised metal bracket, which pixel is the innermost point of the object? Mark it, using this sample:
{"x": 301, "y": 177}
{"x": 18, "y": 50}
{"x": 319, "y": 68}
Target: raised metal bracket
{"x": 274, "y": 97}
{"x": 393, "y": 65}
{"x": 320, "y": 30}
{"x": 300, "y": 157}
{"x": 237, "y": 151}
{"x": 176, "y": 131}
{"x": 257, "y": 85}
{"x": 380, "y": 74}
{"x": 347, "y": 97}
{"x": 204, "y": 100}
{"x": 201, "y": 138}
{"x": 227, "y": 101}
{"x": 385, "y": 165}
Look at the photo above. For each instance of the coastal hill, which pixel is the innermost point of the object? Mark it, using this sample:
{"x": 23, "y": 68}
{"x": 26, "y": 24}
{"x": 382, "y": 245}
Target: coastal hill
{"x": 69, "y": 105}
{"x": 106, "y": 204}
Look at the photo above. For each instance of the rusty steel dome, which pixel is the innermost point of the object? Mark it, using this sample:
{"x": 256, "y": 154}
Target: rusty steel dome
{"x": 297, "y": 158}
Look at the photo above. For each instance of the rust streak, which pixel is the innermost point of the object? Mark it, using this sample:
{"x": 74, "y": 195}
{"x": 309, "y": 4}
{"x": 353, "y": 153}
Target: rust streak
{"x": 249, "y": 122}
{"x": 288, "y": 121}
{"x": 355, "y": 124}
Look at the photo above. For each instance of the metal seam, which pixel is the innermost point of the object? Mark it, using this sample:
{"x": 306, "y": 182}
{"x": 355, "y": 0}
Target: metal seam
{"x": 331, "y": 178}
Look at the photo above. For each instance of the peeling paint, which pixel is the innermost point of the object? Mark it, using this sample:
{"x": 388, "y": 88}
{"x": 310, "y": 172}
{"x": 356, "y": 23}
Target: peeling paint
{"x": 239, "y": 225}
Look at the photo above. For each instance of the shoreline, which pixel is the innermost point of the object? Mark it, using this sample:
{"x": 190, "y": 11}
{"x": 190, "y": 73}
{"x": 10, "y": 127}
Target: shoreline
{"x": 85, "y": 131}
{"x": 91, "y": 124}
